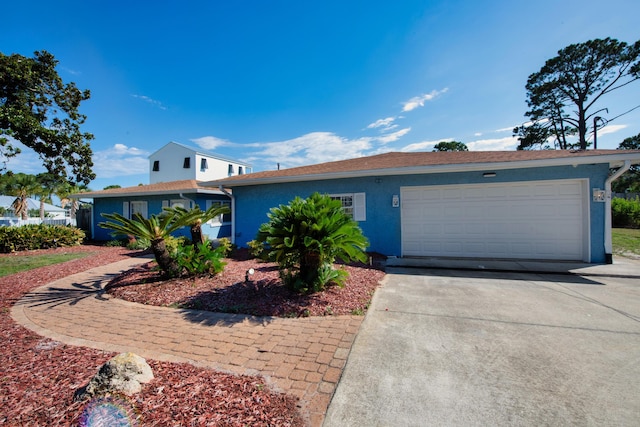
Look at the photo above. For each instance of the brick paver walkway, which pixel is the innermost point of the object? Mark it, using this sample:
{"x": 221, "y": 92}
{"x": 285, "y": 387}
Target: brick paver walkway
{"x": 303, "y": 356}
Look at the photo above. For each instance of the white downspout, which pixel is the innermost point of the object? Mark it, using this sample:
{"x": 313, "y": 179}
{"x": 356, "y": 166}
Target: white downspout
{"x": 233, "y": 214}
{"x": 183, "y": 197}
{"x": 608, "y": 245}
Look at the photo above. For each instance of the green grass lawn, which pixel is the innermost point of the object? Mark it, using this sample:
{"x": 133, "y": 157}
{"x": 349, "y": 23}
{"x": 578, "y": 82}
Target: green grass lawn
{"x": 15, "y": 264}
{"x": 625, "y": 240}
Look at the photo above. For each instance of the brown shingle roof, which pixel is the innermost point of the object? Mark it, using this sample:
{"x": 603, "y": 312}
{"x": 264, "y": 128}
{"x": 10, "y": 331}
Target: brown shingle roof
{"x": 172, "y": 187}
{"x": 396, "y": 162}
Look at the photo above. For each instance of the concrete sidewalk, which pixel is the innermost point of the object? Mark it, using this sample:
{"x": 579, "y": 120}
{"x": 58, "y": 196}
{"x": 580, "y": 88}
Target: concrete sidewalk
{"x": 303, "y": 356}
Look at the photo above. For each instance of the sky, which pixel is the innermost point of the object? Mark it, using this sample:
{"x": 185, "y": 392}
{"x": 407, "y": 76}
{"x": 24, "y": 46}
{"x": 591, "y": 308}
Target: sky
{"x": 298, "y": 82}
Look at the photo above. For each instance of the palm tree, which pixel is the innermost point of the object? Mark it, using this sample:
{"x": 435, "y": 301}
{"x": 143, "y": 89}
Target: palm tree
{"x": 196, "y": 217}
{"x": 49, "y": 185}
{"x": 65, "y": 190}
{"x": 22, "y": 186}
{"x": 157, "y": 228}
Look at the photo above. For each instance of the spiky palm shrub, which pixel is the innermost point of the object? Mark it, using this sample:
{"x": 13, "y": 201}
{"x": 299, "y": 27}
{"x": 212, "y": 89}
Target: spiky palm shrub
{"x": 306, "y": 236}
{"x": 195, "y": 218}
{"x": 157, "y": 228}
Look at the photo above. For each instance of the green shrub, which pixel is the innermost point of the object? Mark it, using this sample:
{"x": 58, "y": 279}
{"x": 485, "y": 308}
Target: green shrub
{"x": 115, "y": 243}
{"x": 200, "y": 259}
{"x": 256, "y": 249}
{"x": 41, "y": 236}
{"x": 625, "y": 213}
{"x": 139, "y": 244}
{"x": 305, "y": 238}
{"x": 173, "y": 244}
{"x": 225, "y": 244}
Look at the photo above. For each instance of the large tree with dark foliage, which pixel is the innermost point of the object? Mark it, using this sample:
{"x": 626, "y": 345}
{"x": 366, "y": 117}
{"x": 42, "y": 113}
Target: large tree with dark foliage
{"x": 450, "y": 146}
{"x": 630, "y": 180}
{"x": 565, "y": 95}
{"x": 41, "y": 111}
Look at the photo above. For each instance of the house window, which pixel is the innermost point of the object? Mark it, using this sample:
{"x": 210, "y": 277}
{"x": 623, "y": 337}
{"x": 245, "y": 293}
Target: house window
{"x": 220, "y": 219}
{"x": 187, "y": 163}
{"x": 240, "y": 170}
{"x": 156, "y": 165}
{"x": 230, "y": 170}
{"x": 135, "y": 207}
{"x": 353, "y": 204}
{"x": 203, "y": 165}
{"x": 177, "y": 203}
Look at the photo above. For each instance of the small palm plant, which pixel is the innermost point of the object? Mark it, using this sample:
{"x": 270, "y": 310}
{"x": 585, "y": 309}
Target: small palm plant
{"x": 157, "y": 228}
{"x": 306, "y": 236}
{"x": 22, "y": 186}
{"x": 195, "y": 218}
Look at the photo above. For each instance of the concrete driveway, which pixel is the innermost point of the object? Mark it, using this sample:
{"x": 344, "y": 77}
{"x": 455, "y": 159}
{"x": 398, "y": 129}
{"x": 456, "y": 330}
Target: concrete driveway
{"x": 477, "y": 348}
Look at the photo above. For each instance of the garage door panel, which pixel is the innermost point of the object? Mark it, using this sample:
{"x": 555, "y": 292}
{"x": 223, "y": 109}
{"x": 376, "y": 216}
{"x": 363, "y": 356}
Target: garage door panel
{"x": 534, "y": 220}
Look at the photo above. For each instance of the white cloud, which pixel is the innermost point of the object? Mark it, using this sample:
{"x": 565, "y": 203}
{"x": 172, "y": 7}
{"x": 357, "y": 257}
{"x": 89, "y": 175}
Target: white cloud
{"x": 151, "y": 101}
{"x": 499, "y": 144}
{"x": 610, "y": 129}
{"x": 391, "y": 137}
{"x": 121, "y": 149}
{"x": 384, "y": 124}
{"x": 419, "y": 146}
{"x": 70, "y": 71}
{"x": 311, "y": 148}
{"x": 211, "y": 142}
{"x": 27, "y": 161}
{"x": 418, "y": 101}
{"x": 509, "y": 129}
{"x": 424, "y": 145}
{"x": 120, "y": 160}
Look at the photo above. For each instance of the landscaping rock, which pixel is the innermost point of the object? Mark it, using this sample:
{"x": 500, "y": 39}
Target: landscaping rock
{"x": 122, "y": 374}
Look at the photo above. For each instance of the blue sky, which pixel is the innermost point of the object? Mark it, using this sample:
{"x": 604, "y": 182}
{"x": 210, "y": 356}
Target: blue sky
{"x": 297, "y": 82}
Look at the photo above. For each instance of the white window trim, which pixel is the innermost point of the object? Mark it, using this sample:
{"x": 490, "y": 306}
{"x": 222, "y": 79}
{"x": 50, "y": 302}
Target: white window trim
{"x": 217, "y": 221}
{"x": 358, "y": 207}
{"x": 127, "y": 208}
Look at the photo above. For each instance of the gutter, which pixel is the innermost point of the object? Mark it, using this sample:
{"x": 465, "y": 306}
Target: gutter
{"x": 608, "y": 245}
{"x": 249, "y": 179}
{"x": 182, "y": 196}
{"x": 233, "y": 213}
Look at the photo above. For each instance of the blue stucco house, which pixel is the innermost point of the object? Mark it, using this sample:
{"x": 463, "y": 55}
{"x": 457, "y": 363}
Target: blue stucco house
{"x": 176, "y": 173}
{"x": 151, "y": 199}
{"x": 538, "y": 205}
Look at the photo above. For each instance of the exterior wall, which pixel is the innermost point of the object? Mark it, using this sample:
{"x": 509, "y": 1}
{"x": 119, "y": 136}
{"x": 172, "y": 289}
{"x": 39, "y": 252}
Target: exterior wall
{"x": 382, "y": 226}
{"x": 171, "y": 161}
{"x": 216, "y": 168}
{"x": 154, "y": 206}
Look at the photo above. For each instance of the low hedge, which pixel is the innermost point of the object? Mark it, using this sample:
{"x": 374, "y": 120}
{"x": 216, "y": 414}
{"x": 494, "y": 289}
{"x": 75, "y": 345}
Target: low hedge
{"x": 41, "y": 236}
{"x": 625, "y": 213}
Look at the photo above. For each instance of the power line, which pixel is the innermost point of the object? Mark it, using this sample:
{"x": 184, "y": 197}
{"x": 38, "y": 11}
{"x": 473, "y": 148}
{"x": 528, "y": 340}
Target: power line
{"x": 620, "y": 115}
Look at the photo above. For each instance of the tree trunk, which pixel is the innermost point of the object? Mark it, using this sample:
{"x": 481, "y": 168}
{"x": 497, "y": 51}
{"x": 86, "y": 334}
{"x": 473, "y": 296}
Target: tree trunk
{"x": 165, "y": 261}
{"x": 196, "y": 233}
{"x": 41, "y": 209}
{"x": 582, "y": 127}
{"x": 310, "y": 266}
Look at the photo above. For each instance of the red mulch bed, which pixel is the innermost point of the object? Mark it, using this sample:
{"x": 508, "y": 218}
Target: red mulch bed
{"x": 38, "y": 376}
{"x": 263, "y": 295}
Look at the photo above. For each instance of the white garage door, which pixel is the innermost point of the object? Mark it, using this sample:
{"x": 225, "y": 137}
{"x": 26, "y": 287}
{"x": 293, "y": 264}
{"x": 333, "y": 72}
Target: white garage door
{"x": 527, "y": 220}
